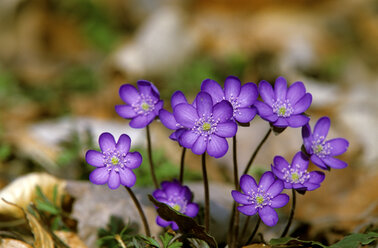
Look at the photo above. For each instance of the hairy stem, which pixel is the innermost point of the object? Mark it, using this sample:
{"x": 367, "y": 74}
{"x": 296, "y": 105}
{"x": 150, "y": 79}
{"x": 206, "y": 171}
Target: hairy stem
{"x": 140, "y": 210}
{"x": 182, "y": 165}
{"x": 206, "y": 191}
{"x": 291, "y": 215}
{"x": 254, "y": 231}
{"x": 149, "y": 151}
{"x": 235, "y": 227}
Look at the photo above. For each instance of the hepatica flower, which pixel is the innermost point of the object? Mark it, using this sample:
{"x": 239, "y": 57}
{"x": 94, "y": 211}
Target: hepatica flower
{"x": 295, "y": 175}
{"x": 178, "y": 197}
{"x": 262, "y": 198}
{"x": 168, "y": 118}
{"x": 207, "y": 126}
{"x": 283, "y": 106}
{"x": 114, "y": 163}
{"x": 320, "y": 150}
{"x": 141, "y": 106}
{"x": 241, "y": 98}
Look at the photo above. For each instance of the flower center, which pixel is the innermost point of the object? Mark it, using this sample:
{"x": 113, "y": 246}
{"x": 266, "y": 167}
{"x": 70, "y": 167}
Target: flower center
{"x": 177, "y": 202}
{"x": 206, "y": 126}
{"x": 320, "y": 147}
{"x": 115, "y": 159}
{"x": 144, "y": 105}
{"x": 259, "y": 198}
{"x": 176, "y": 207}
{"x": 295, "y": 175}
{"x": 282, "y": 108}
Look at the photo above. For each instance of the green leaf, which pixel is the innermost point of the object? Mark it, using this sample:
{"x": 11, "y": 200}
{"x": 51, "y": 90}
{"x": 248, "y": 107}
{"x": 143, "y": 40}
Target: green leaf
{"x": 354, "y": 240}
{"x": 187, "y": 226}
{"x": 295, "y": 242}
{"x": 47, "y": 207}
{"x": 150, "y": 241}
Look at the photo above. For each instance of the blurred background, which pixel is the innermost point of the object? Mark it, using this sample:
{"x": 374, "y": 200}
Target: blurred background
{"x": 62, "y": 63}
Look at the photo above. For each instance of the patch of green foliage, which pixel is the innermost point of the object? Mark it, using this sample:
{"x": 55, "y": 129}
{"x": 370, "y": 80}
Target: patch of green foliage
{"x": 117, "y": 234}
{"x": 51, "y": 209}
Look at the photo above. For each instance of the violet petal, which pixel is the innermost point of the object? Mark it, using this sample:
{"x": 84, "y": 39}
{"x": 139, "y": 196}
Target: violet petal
{"x": 295, "y": 92}
{"x": 99, "y": 175}
{"x": 335, "y": 163}
{"x": 280, "y": 88}
{"x": 223, "y": 111}
{"x": 266, "y": 92}
{"x": 339, "y": 146}
{"x": 106, "y": 142}
{"x": 280, "y": 200}
{"x": 204, "y": 104}
{"x": 134, "y": 160}
{"x": 199, "y": 147}
{"x": 114, "y": 180}
{"x": 248, "y": 210}
{"x": 125, "y": 111}
{"x": 248, "y": 95}
{"x": 214, "y": 89}
{"x": 127, "y": 177}
{"x": 268, "y": 215}
{"x": 240, "y": 197}
{"x": 129, "y": 94}
{"x": 123, "y": 144}
{"x": 185, "y": 114}
{"x": 232, "y": 87}
{"x": 217, "y": 146}
{"x": 248, "y": 184}
{"x": 322, "y": 126}
{"x": 226, "y": 129}
{"x": 94, "y": 158}
{"x": 297, "y": 120}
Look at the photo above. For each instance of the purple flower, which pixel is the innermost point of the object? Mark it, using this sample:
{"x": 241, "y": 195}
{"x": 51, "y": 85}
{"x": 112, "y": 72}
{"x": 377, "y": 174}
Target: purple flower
{"x": 178, "y": 197}
{"x": 320, "y": 150}
{"x": 241, "y": 98}
{"x": 141, "y": 107}
{"x": 168, "y": 118}
{"x": 114, "y": 163}
{"x": 207, "y": 126}
{"x": 262, "y": 198}
{"x": 283, "y": 107}
{"x": 295, "y": 175}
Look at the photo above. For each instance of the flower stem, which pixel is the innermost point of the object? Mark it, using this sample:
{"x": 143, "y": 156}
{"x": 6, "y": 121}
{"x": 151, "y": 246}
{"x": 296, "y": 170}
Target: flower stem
{"x": 140, "y": 210}
{"x": 149, "y": 151}
{"x": 254, "y": 231}
{"x": 245, "y": 226}
{"x": 182, "y": 165}
{"x": 291, "y": 215}
{"x": 206, "y": 191}
{"x": 235, "y": 228}
{"x": 256, "y": 151}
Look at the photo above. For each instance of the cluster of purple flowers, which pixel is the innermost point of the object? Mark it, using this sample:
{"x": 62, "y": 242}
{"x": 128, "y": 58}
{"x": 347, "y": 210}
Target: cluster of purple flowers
{"x": 203, "y": 127}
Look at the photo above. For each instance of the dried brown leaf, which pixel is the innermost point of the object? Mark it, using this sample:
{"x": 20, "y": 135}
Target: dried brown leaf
{"x": 22, "y": 191}
{"x": 71, "y": 239}
{"x": 41, "y": 237}
{"x": 13, "y": 243}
